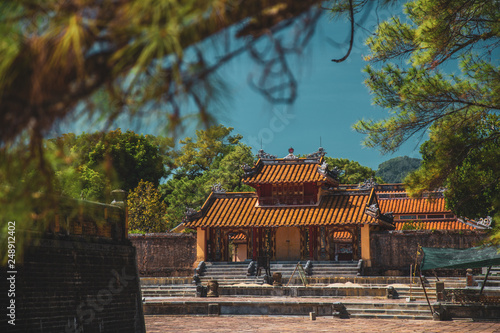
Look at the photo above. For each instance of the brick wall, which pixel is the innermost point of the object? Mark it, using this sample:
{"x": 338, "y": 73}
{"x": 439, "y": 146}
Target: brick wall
{"x": 73, "y": 285}
{"x": 171, "y": 254}
{"x": 79, "y": 275}
{"x": 394, "y": 252}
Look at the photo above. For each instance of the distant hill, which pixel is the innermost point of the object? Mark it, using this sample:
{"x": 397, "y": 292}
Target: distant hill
{"x": 396, "y": 169}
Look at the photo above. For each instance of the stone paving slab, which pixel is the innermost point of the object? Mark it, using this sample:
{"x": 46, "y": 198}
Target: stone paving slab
{"x": 275, "y": 324}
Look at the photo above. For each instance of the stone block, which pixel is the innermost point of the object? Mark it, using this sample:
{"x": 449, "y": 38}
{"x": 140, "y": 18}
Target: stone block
{"x": 213, "y": 309}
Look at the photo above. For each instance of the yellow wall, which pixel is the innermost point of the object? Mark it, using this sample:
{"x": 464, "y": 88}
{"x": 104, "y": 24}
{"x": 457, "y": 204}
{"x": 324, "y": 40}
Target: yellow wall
{"x": 241, "y": 253}
{"x": 288, "y": 243}
{"x": 365, "y": 245}
{"x": 201, "y": 245}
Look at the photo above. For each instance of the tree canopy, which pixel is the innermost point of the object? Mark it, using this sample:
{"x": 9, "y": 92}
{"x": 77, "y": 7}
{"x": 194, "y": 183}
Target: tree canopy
{"x": 351, "y": 171}
{"x": 137, "y": 57}
{"x": 396, "y": 169}
{"x": 146, "y": 209}
{"x": 100, "y": 162}
{"x": 437, "y": 70}
{"x": 213, "y": 157}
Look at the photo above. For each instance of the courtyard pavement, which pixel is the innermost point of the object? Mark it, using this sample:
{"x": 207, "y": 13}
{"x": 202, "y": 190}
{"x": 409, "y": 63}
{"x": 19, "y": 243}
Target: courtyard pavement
{"x": 275, "y": 324}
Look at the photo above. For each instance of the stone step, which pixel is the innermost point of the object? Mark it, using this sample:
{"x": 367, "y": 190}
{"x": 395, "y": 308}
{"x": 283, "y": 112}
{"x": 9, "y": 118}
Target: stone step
{"x": 226, "y": 282}
{"x": 393, "y": 312}
{"x": 338, "y": 270}
{"x": 168, "y": 287}
{"x": 387, "y": 306}
{"x": 284, "y": 273}
{"x": 227, "y": 273}
{"x": 414, "y": 311}
{"x": 391, "y": 316}
{"x": 334, "y": 267}
{"x": 418, "y": 296}
{"x": 170, "y": 293}
{"x": 224, "y": 276}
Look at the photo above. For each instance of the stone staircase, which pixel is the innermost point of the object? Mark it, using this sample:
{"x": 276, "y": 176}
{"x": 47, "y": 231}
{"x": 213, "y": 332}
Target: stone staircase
{"x": 493, "y": 277}
{"x": 411, "y": 310}
{"x": 230, "y": 273}
{"x": 235, "y": 273}
{"x": 417, "y": 293}
{"x": 334, "y": 268}
{"x": 172, "y": 290}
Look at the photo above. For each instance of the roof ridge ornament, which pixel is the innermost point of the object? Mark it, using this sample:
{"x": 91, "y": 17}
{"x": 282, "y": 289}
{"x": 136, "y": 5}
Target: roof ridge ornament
{"x": 248, "y": 170}
{"x": 324, "y": 171}
{"x": 218, "y": 189}
{"x": 191, "y": 214}
{"x": 290, "y": 155}
{"x": 317, "y": 154}
{"x": 482, "y": 223}
{"x": 373, "y": 210}
{"x": 367, "y": 184}
{"x": 323, "y": 168}
{"x": 265, "y": 156}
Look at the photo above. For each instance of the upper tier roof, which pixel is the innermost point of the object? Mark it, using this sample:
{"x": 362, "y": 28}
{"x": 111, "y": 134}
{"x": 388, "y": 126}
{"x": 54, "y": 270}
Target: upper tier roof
{"x": 282, "y": 171}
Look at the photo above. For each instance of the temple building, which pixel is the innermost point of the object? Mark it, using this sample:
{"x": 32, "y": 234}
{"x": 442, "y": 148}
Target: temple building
{"x": 426, "y": 212}
{"x": 297, "y": 212}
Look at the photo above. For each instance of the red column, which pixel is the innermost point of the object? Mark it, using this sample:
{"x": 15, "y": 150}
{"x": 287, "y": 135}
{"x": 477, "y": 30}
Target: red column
{"x": 254, "y": 244}
{"x": 311, "y": 243}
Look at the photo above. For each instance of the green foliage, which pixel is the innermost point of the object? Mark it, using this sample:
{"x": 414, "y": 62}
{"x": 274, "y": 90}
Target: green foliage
{"x": 146, "y": 209}
{"x": 22, "y": 196}
{"x": 465, "y": 163}
{"x": 213, "y": 157}
{"x": 396, "y": 169}
{"x": 352, "y": 171}
{"x": 101, "y": 162}
{"x": 459, "y": 108}
{"x": 131, "y": 57}
{"x": 413, "y": 225}
{"x": 197, "y": 156}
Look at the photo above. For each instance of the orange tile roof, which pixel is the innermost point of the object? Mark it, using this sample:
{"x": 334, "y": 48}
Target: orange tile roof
{"x": 342, "y": 236}
{"x": 413, "y": 205}
{"x": 239, "y": 210}
{"x": 238, "y": 237}
{"x": 280, "y": 171}
{"x": 437, "y": 225}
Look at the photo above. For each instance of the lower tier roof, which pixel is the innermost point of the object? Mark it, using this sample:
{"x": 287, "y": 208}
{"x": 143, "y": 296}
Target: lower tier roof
{"x": 242, "y": 210}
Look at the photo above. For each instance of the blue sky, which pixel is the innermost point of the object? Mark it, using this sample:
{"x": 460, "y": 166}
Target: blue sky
{"x": 331, "y": 98}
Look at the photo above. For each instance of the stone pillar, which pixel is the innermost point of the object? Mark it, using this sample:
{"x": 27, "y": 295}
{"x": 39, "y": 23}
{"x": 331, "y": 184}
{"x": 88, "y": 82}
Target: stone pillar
{"x": 440, "y": 291}
{"x": 120, "y": 200}
{"x": 470, "y": 282}
{"x": 365, "y": 245}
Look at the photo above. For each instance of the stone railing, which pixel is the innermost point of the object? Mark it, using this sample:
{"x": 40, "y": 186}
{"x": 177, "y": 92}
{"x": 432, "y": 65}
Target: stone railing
{"x": 88, "y": 219}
